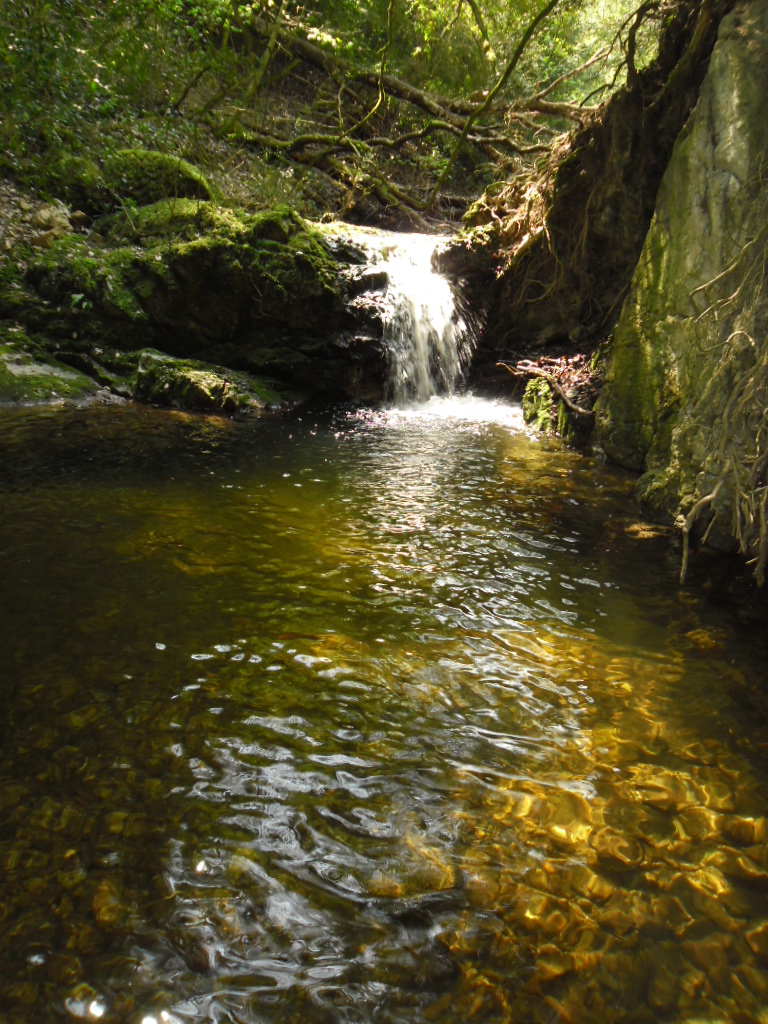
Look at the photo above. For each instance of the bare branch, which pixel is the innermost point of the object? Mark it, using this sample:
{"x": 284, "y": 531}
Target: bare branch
{"x": 500, "y": 84}
{"x": 594, "y": 59}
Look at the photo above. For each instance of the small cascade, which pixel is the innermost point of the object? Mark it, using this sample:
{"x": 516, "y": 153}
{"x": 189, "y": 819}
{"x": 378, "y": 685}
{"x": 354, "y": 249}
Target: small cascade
{"x": 428, "y": 342}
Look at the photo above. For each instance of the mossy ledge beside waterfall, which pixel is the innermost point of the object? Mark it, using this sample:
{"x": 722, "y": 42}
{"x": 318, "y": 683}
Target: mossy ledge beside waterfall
{"x": 190, "y": 305}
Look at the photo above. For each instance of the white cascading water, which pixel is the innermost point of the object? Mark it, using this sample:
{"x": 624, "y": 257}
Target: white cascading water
{"x": 428, "y": 342}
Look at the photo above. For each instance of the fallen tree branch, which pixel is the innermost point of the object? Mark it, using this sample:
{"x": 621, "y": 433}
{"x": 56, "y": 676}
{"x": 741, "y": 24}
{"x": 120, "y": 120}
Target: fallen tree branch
{"x": 527, "y": 369}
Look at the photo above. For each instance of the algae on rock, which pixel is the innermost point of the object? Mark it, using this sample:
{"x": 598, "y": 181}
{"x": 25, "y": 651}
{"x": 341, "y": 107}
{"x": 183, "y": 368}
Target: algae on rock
{"x": 264, "y": 294}
{"x": 537, "y": 404}
{"x": 27, "y": 377}
{"x": 687, "y": 379}
{"x": 200, "y": 387}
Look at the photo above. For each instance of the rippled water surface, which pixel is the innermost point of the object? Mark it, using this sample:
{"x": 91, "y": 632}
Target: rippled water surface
{"x": 387, "y": 717}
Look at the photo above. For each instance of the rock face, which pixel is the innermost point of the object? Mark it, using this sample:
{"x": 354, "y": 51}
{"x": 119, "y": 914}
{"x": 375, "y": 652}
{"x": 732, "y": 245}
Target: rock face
{"x": 550, "y": 257}
{"x": 687, "y": 379}
{"x": 263, "y": 294}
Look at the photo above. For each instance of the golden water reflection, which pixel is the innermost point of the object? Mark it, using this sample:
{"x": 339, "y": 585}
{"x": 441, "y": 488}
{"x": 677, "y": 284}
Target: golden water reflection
{"x": 420, "y": 739}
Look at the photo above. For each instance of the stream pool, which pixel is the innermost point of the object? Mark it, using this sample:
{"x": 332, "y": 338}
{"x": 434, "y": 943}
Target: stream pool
{"x": 359, "y": 716}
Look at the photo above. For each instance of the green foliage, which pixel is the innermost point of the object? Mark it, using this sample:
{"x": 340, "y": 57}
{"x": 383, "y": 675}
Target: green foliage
{"x": 81, "y": 81}
{"x": 537, "y": 404}
{"x": 461, "y": 47}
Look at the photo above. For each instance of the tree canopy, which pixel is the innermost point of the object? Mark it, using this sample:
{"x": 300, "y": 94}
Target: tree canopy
{"x": 421, "y": 104}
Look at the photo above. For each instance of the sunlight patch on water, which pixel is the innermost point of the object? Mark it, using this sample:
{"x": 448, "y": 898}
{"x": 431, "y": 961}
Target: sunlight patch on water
{"x": 455, "y": 409}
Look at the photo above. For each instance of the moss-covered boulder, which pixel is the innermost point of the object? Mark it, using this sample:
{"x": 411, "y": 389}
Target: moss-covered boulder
{"x": 26, "y": 378}
{"x": 201, "y": 387}
{"x": 147, "y": 176}
{"x": 198, "y": 275}
{"x": 135, "y": 177}
{"x": 259, "y": 293}
{"x": 537, "y": 404}
{"x": 546, "y": 411}
{"x": 686, "y": 383}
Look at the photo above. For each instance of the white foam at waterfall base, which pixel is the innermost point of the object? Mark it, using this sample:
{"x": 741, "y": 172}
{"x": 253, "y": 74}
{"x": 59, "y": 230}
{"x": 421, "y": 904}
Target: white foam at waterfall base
{"x": 428, "y": 341}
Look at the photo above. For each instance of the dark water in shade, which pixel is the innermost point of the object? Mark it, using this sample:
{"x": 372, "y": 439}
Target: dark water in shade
{"x": 367, "y": 718}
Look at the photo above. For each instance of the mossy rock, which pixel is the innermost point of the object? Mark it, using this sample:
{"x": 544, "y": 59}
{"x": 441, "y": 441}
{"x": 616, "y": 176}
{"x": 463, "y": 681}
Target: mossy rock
{"x": 537, "y": 404}
{"x": 268, "y": 269}
{"x": 472, "y": 253}
{"x": 86, "y": 281}
{"x": 190, "y": 219}
{"x": 214, "y": 276}
{"x": 168, "y": 218}
{"x": 200, "y": 387}
{"x": 260, "y": 293}
{"x": 26, "y": 378}
{"x": 77, "y": 179}
{"x": 147, "y": 175}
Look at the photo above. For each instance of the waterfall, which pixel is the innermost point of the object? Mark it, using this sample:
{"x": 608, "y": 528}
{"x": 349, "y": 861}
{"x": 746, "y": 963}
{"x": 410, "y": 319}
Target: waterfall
{"x": 427, "y": 340}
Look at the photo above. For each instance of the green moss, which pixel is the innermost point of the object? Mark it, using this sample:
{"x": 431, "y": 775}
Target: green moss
{"x": 642, "y": 391}
{"x": 26, "y": 378}
{"x": 200, "y": 387}
{"x": 544, "y": 411}
{"x": 146, "y": 176}
{"x": 76, "y": 178}
{"x": 198, "y": 270}
{"x": 176, "y": 218}
{"x": 86, "y": 280}
{"x": 537, "y": 404}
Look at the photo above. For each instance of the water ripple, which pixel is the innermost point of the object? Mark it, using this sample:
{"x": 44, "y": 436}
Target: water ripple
{"x": 421, "y": 739}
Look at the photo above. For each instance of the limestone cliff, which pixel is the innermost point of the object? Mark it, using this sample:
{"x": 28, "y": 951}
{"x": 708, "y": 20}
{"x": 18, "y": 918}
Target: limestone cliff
{"x": 687, "y": 382}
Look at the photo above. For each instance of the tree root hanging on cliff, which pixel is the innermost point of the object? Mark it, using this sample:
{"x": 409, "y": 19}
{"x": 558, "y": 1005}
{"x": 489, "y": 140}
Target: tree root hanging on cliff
{"x": 596, "y": 193}
{"x": 738, "y": 460}
{"x": 686, "y": 523}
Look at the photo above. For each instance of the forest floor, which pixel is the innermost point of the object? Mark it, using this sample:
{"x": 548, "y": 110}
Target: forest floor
{"x": 16, "y": 211}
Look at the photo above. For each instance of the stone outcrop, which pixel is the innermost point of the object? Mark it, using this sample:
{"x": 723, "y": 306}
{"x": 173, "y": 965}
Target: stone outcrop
{"x": 264, "y": 295}
{"x": 687, "y": 382}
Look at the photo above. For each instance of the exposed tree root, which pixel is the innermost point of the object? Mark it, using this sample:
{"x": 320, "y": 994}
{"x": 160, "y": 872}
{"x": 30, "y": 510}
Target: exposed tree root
{"x": 738, "y": 462}
{"x": 568, "y": 235}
